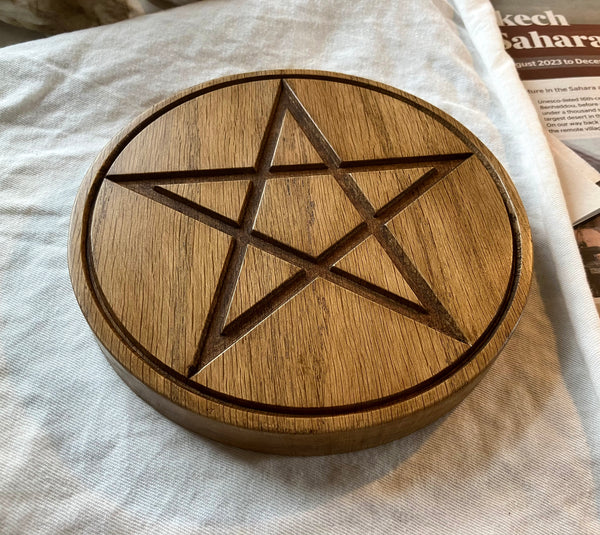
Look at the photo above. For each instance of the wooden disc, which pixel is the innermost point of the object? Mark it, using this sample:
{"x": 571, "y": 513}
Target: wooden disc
{"x": 299, "y": 262}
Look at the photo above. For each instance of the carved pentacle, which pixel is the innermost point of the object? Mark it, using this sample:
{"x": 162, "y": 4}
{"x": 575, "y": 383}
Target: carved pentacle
{"x": 299, "y": 262}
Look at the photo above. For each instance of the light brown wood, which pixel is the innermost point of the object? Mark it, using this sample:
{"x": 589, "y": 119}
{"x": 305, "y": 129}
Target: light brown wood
{"x": 293, "y": 147}
{"x": 203, "y": 133}
{"x": 224, "y": 199}
{"x": 299, "y": 262}
{"x": 306, "y": 213}
{"x": 369, "y": 262}
{"x": 261, "y": 274}
{"x": 381, "y": 187}
{"x": 131, "y": 242}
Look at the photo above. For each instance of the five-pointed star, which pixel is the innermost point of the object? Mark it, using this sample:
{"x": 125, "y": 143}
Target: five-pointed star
{"x": 217, "y": 336}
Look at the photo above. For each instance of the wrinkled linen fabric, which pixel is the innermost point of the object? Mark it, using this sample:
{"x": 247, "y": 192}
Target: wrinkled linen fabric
{"x": 81, "y": 453}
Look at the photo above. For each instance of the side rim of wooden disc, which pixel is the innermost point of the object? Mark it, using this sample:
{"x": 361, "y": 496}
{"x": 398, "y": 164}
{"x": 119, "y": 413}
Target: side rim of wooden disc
{"x": 274, "y": 432}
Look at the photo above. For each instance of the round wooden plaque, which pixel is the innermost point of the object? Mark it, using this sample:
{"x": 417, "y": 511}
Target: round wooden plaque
{"x": 299, "y": 262}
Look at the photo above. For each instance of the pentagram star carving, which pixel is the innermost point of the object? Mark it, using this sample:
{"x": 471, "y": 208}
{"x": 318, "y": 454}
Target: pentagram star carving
{"x": 222, "y": 331}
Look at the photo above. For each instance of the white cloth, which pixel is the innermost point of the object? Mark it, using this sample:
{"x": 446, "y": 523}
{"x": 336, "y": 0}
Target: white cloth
{"x": 80, "y": 453}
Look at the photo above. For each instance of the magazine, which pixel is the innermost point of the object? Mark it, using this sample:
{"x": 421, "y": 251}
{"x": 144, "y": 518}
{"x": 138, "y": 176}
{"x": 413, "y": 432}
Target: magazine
{"x": 556, "y": 49}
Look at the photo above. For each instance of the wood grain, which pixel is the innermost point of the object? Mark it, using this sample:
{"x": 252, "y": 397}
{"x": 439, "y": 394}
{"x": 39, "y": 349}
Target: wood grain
{"x": 221, "y": 130}
{"x": 307, "y": 213}
{"x": 381, "y": 187}
{"x": 135, "y": 250}
{"x": 299, "y": 262}
{"x": 372, "y": 127}
{"x": 461, "y": 247}
{"x": 293, "y": 147}
{"x": 261, "y": 274}
{"x": 321, "y": 351}
{"x": 221, "y": 198}
{"x": 369, "y": 262}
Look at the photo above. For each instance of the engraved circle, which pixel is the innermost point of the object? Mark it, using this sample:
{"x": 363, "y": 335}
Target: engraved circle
{"x": 372, "y": 222}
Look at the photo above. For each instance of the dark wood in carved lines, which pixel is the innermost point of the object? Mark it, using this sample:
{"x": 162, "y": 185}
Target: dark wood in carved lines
{"x": 218, "y": 337}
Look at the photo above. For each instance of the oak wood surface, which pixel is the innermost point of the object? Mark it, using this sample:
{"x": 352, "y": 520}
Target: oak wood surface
{"x": 299, "y": 262}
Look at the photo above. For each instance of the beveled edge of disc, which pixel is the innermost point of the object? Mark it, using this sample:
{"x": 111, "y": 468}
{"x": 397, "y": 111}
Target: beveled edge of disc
{"x": 288, "y": 434}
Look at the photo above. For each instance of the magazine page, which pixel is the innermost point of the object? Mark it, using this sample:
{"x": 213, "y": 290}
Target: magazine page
{"x": 556, "y": 49}
{"x": 588, "y": 240}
